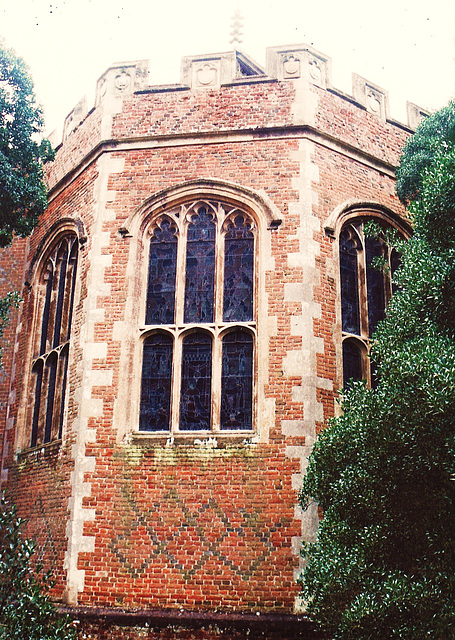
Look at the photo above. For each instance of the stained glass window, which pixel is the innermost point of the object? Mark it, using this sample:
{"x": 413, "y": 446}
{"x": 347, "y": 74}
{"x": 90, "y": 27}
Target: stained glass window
{"x": 201, "y": 272}
{"x": 156, "y": 383}
{"x": 352, "y": 362}
{"x": 195, "y": 398}
{"x": 349, "y": 283}
{"x": 63, "y": 364}
{"x": 374, "y": 248}
{"x": 200, "y": 268}
{"x": 50, "y": 369}
{"x": 48, "y": 279}
{"x": 38, "y": 375}
{"x": 238, "y": 272}
{"x": 61, "y": 275}
{"x": 366, "y": 264}
{"x": 237, "y": 381}
{"x": 161, "y": 277}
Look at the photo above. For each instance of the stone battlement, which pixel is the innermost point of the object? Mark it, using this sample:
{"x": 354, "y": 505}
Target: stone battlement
{"x": 210, "y": 72}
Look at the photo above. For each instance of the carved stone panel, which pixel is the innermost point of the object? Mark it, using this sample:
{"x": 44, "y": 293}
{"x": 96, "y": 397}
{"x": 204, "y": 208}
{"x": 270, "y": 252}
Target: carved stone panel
{"x": 206, "y": 75}
{"x": 75, "y": 117}
{"x": 122, "y": 79}
{"x": 300, "y": 61}
{"x": 213, "y": 70}
{"x": 371, "y": 96}
{"x": 415, "y": 115}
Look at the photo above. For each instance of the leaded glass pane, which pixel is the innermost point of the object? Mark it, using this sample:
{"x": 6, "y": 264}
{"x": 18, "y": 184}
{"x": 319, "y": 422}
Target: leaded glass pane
{"x": 70, "y": 289}
{"x": 38, "y": 372}
{"x": 349, "y": 283}
{"x": 238, "y": 272}
{"x": 195, "y": 398}
{"x": 62, "y": 264}
{"x": 374, "y": 248}
{"x": 352, "y": 362}
{"x": 155, "y": 409}
{"x": 237, "y": 381}
{"x": 48, "y": 279}
{"x": 51, "y": 369}
{"x": 162, "y": 271}
{"x": 63, "y": 365}
{"x": 200, "y": 268}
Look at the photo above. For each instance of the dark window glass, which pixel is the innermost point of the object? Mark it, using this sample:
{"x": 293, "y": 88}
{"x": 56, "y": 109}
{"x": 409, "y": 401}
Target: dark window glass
{"x": 237, "y": 381}
{"x": 48, "y": 279}
{"x": 38, "y": 373}
{"x": 349, "y": 283}
{"x": 63, "y": 364}
{"x": 374, "y": 248}
{"x": 238, "y": 272}
{"x": 161, "y": 278}
{"x": 63, "y": 285}
{"x": 352, "y": 362}
{"x": 195, "y": 397}
{"x": 200, "y": 268}
{"x": 374, "y": 374}
{"x": 155, "y": 410}
{"x": 69, "y": 297}
{"x": 51, "y": 372}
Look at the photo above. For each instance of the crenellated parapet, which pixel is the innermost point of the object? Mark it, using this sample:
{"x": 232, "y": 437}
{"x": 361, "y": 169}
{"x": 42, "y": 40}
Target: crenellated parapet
{"x": 210, "y": 72}
{"x": 228, "y": 92}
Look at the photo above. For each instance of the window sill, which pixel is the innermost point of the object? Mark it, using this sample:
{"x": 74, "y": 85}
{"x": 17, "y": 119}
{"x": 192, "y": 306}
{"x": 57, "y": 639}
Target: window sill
{"x": 47, "y": 448}
{"x": 199, "y": 439}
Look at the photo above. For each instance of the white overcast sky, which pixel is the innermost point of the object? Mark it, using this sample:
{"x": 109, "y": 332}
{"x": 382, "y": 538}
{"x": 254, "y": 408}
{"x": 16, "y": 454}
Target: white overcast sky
{"x": 407, "y": 47}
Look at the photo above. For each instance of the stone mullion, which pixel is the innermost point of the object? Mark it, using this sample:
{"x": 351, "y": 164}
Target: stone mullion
{"x": 363, "y": 291}
{"x": 216, "y": 382}
{"x": 181, "y": 270}
{"x": 179, "y": 313}
{"x": 218, "y": 317}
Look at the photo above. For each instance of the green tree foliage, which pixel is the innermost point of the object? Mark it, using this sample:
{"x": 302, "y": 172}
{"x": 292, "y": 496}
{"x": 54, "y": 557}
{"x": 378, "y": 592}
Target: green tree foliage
{"x": 26, "y": 611}
{"x": 434, "y": 135}
{"x": 383, "y": 563}
{"x": 22, "y": 189}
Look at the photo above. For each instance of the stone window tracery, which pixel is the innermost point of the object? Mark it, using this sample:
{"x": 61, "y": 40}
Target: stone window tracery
{"x": 54, "y": 309}
{"x": 198, "y": 341}
{"x": 365, "y": 293}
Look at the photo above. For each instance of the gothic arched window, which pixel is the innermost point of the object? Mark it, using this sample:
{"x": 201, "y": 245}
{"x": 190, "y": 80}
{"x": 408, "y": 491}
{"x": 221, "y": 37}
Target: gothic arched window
{"x": 55, "y": 298}
{"x": 199, "y": 336}
{"x": 365, "y": 293}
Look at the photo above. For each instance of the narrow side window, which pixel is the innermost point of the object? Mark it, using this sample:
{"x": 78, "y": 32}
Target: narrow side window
{"x": 366, "y": 289}
{"x": 54, "y": 308}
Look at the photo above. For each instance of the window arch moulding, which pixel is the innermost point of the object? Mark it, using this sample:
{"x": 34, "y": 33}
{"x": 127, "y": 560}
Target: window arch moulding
{"x": 64, "y": 225}
{"x": 192, "y": 248}
{"x": 367, "y": 210}
{"x": 255, "y": 201}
